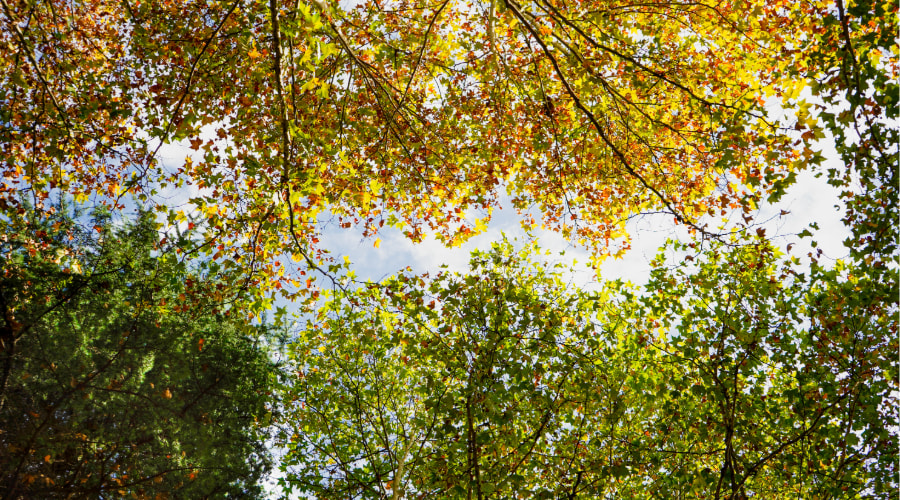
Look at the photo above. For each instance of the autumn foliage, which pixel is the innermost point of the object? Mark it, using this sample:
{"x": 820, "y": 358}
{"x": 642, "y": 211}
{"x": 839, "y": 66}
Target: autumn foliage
{"x": 411, "y": 115}
{"x": 425, "y": 117}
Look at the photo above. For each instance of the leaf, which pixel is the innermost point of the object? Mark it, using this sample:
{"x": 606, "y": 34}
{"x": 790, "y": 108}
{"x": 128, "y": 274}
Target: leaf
{"x": 16, "y": 78}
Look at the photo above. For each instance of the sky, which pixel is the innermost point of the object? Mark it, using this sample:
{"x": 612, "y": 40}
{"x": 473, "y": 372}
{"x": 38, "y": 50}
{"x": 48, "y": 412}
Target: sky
{"x": 809, "y": 200}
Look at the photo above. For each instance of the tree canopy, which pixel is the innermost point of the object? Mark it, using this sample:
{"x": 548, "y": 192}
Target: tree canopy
{"x": 113, "y": 382}
{"x": 451, "y": 386}
{"x": 731, "y": 375}
{"x": 136, "y": 359}
{"x": 408, "y": 114}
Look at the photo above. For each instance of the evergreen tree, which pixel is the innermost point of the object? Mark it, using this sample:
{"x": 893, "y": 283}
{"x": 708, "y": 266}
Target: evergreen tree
{"x": 119, "y": 375}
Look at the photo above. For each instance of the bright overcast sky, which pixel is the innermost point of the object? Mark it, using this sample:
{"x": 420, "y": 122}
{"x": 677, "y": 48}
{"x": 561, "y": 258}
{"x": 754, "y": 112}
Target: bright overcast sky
{"x": 809, "y": 200}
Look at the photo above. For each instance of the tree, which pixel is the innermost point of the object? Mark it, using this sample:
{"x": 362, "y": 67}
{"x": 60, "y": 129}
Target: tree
{"x": 404, "y": 115}
{"x": 733, "y": 374}
{"x": 852, "y": 68}
{"x": 774, "y": 382}
{"x": 481, "y": 385}
{"x": 117, "y": 380}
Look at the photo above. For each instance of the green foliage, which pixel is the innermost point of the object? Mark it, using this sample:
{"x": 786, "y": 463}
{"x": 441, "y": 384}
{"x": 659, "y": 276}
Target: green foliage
{"x": 487, "y": 384}
{"x": 780, "y": 383}
{"x": 731, "y": 375}
{"x": 115, "y": 381}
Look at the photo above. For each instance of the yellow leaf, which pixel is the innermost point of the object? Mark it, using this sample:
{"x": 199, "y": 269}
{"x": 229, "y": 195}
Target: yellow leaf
{"x": 311, "y": 85}
{"x": 377, "y": 242}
